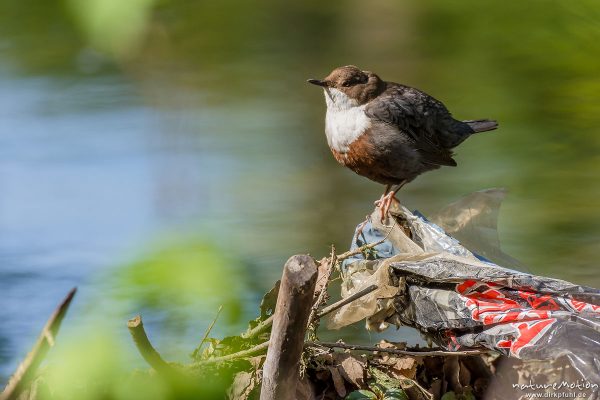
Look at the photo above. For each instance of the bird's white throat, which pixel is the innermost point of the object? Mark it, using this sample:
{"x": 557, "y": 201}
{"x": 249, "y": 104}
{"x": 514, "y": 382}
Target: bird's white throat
{"x": 345, "y": 120}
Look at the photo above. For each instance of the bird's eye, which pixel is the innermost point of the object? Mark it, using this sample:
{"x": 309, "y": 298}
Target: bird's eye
{"x": 355, "y": 80}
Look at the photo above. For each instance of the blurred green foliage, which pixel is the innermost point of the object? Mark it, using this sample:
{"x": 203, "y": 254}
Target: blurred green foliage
{"x": 181, "y": 272}
{"x": 94, "y": 366}
{"x": 111, "y": 26}
{"x": 177, "y": 284}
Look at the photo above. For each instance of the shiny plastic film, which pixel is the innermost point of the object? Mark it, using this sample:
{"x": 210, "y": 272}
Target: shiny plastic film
{"x": 456, "y": 297}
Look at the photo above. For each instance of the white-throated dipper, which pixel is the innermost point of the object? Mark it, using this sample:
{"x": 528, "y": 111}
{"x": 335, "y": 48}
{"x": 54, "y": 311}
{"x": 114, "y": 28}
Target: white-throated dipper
{"x": 388, "y": 132}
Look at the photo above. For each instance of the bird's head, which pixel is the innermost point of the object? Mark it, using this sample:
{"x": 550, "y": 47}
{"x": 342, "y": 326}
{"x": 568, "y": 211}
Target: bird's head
{"x": 349, "y": 86}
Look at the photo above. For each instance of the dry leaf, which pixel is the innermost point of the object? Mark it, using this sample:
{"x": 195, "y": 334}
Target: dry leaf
{"x": 322, "y": 275}
{"x": 384, "y": 344}
{"x": 352, "y": 369}
{"x": 436, "y": 388}
{"x": 464, "y": 375}
{"x": 404, "y": 367}
{"x": 269, "y": 301}
{"x": 399, "y": 366}
{"x": 323, "y": 375}
{"x": 257, "y": 361}
{"x": 338, "y": 381}
{"x": 304, "y": 390}
{"x": 242, "y": 386}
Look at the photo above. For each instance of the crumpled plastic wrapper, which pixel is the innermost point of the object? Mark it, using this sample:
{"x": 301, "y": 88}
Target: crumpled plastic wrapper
{"x": 457, "y": 297}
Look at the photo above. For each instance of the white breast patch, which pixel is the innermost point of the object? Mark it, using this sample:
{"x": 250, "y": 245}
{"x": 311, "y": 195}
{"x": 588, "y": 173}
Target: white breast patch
{"x": 345, "y": 120}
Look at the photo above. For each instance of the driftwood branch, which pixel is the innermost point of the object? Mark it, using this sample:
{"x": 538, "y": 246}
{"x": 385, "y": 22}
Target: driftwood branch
{"x": 145, "y": 348}
{"x": 26, "y": 370}
{"x": 416, "y": 353}
{"x": 281, "y": 369}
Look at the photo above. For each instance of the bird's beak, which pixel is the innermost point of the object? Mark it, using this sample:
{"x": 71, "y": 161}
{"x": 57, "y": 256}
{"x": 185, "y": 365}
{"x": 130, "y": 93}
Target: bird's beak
{"x": 318, "y": 82}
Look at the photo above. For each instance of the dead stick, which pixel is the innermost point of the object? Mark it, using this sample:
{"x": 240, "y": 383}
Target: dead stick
{"x": 26, "y": 370}
{"x": 359, "y": 250}
{"x": 147, "y": 351}
{"x": 425, "y": 353}
{"x": 234, "y": 356}
{"x": 263, "y": 346}
{"x": 349, "y": 299}
{"x": 281, "y": 369}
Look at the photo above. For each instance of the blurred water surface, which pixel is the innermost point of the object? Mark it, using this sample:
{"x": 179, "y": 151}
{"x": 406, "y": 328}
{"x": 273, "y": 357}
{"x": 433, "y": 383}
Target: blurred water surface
{"x": 191, "y": 131}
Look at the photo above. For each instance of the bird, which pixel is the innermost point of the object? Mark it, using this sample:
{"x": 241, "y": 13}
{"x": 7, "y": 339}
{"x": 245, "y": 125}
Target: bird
{"x": 388, "y": 132}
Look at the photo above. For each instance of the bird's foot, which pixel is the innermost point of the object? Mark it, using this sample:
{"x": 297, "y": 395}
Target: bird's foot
{"x": 385, "y": 202}
{"x": 380, "y": 201}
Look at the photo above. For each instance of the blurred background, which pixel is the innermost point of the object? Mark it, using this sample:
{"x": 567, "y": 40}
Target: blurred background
{"x": 167, "y": 156}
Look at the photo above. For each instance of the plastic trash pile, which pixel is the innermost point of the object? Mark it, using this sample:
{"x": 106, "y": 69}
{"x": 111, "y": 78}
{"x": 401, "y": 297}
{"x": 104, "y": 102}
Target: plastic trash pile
{"x": 458, "y": 298}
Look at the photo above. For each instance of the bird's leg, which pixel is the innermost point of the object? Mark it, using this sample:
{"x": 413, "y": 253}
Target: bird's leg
{"x": 385, "y": 203}
{"x": 388, "y": 197}
{"x": 378, "y": 203}
{"x": 382, "y": 198}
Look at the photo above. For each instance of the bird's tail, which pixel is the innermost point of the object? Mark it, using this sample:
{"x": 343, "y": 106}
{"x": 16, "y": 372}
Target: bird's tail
{"x": 482, "y": 125}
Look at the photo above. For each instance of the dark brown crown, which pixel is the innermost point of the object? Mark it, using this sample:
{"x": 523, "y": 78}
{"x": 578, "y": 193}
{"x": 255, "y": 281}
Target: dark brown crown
{"x": 355, "y": 83}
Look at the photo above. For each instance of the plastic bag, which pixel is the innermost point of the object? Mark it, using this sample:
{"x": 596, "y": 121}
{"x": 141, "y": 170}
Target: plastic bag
{"x": 459, "y": 299}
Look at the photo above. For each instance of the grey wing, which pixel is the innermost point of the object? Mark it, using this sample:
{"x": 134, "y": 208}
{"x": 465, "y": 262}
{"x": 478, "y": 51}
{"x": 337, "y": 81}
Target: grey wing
{"x": 419, "y": 116}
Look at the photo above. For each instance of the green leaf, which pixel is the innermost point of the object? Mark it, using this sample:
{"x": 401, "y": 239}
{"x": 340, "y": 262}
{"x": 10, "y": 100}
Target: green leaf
{"x": 387, "y": 387}
{"x": 395, "y": 394}
{"x": 467, "y": 395}
{"x": 361, "y": 394}
{"x": 449, "y": 396}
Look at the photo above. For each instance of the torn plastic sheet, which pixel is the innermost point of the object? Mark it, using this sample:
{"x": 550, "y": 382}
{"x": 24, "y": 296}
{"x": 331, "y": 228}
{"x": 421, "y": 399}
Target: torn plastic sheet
{"x": 473, "y": 220}
{"x": 459, "y": 299}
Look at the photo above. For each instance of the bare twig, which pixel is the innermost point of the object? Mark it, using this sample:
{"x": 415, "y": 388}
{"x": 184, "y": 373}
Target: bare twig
{"x": 26, "y": 370}
{"x": 259, "y": 348}
{"x": 147, "y": 351}
{"x": 343, "y": 302}
{"x": 417, "y": 353}
{"x": 263, "y": 346}
{"x": 195, "y": 352}
{"x": 361, "y": 249}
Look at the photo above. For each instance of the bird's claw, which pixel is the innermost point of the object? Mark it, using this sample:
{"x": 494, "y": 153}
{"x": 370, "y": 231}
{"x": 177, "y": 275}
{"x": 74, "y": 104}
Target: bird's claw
{"x": 384, "y": 204}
